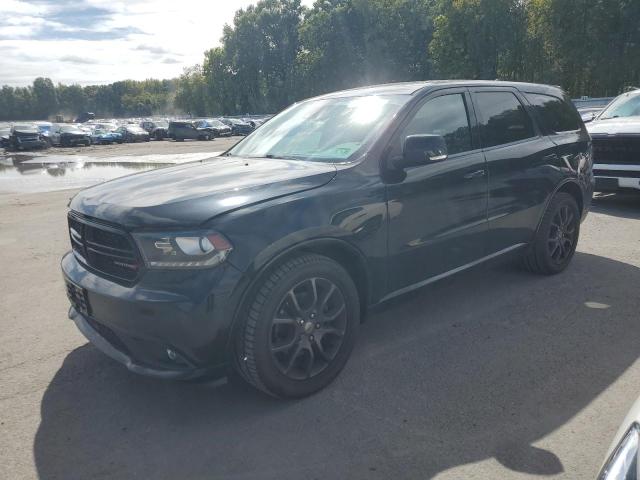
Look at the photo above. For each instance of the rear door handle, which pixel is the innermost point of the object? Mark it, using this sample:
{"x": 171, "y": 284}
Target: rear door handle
{"x": 476, "y": 174}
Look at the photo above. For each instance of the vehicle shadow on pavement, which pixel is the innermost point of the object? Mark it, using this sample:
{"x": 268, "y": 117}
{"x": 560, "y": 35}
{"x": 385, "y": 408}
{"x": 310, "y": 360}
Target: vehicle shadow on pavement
{"x": 624, "y": 205}
{"x": 478, "y": 366}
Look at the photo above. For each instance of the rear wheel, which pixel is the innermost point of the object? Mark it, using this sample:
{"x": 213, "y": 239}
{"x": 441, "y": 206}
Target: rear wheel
{"x": 300, "y": 328}
{"x": 556, "y": 238}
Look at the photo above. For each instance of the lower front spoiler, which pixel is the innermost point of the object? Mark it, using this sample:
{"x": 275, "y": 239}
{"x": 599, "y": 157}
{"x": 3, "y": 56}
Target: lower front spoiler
{"x": 102, "y": 344}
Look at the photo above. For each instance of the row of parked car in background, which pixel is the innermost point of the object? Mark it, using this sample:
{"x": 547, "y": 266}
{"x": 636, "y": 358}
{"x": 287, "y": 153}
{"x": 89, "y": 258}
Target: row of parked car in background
{"x": 40, "y": 135}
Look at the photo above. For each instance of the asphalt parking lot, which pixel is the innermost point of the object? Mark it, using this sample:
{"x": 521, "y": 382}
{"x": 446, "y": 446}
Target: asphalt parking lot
{"x": 494, "y": 373}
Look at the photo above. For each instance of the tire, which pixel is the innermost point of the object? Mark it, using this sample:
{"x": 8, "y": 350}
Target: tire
{"x": 179, "y": 139}
{"x": 557, "y": 237}
{"x": 309, "y": 353}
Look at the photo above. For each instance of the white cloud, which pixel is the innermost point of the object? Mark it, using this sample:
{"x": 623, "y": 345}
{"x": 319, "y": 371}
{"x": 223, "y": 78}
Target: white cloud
{"x": 109, "y": 41}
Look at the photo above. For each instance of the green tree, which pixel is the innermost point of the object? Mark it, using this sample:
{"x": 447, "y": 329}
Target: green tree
{"x": 347, "y": 43}
{"x": 480, "y": 39}
{"x": 45, "y": 98}
{"x": 590, "y": 47}
{"x": 191, "y": 92}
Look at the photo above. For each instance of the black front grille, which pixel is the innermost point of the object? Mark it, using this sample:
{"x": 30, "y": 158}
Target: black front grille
{"x": 617, "y": 150}
{"x": 104, "y": 248}
{"x": 28, "y": 138}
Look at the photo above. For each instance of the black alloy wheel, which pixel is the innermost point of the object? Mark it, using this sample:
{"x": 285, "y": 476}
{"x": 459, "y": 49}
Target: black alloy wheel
{"x": 299, "y": 326}
{"x": 308, "y": 328}
{"x": 562, "y": 234}
{"x": 556, "y": 238}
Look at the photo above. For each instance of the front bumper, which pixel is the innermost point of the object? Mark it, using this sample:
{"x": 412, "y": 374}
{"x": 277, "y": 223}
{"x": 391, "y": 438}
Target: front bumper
{"x": 186, "y": 312}
{"x": 31, "y": 144}
{"x": 611, "y": 178}
{"x": 75, "y": 140}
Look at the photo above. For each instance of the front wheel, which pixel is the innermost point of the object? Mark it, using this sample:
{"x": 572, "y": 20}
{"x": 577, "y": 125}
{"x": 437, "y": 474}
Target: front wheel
{"x": 557, "y": 237}
{"x": 300, "y": 328}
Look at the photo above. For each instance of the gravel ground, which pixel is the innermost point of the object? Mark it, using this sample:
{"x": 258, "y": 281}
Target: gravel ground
{"x": 491, "y": 374}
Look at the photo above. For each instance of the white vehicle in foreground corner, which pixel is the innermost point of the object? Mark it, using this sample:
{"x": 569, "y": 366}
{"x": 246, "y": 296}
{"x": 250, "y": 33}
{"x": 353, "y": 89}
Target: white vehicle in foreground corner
{"x": 616, "y": 144}
{"x": 622, "y": 458}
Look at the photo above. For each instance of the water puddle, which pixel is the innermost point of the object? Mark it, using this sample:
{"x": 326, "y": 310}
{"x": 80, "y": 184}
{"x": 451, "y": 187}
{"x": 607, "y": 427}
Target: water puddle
{"x": 39, "y": 172}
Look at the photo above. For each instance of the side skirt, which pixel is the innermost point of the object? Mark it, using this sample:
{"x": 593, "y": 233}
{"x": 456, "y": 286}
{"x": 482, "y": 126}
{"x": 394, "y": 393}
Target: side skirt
{"x": 451, "y": 272}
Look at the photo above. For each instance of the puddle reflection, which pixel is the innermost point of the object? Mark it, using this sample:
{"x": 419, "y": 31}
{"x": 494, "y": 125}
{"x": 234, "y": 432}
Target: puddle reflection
{"x": 31, "y": 173}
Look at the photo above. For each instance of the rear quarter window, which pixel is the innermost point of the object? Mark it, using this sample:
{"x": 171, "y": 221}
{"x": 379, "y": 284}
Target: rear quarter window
{"x": 554, "y": 114}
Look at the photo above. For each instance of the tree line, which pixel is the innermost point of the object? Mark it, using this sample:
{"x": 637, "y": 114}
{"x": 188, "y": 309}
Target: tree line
{"x": 43, "y": 100}
{"x": 277, "y": 51}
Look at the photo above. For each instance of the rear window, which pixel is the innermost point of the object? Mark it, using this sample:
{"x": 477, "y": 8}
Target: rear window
{"x": 554, "y": 114}
{"x": 503, "y": 118}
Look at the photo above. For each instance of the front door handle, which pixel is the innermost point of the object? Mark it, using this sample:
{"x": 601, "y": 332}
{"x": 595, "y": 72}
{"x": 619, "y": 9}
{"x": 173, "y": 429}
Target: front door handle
{"x": 476, "y": 174}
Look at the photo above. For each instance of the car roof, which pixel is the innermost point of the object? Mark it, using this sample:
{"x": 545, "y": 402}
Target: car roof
{"x": 413, "y": 88}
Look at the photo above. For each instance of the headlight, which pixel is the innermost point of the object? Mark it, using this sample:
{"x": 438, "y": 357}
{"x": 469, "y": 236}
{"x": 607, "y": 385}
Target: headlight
{"x": 623, "y": 463}
{"x": 183, "y": 249}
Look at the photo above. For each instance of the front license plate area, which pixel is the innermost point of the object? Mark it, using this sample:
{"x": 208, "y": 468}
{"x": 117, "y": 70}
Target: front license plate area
{"x": 78, "y": 298}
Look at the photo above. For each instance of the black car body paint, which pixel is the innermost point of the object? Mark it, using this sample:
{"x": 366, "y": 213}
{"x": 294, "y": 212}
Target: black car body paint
{"x": 393, "y": 229}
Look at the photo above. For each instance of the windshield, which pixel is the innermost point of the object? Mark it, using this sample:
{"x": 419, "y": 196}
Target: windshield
{"x": 26, "y": 128}
{"x": 329, "y": 129}
{"x": 627, "y": 105}
{"x": 162, "y": 124}
{"x": 71, "y": 130}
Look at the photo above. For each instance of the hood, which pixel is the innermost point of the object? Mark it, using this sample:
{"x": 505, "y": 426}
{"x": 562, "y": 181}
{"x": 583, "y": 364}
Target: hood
{"x": 26, "y": 131}
{"x": 614, "y": 126}
{"x": 188, "y": 195}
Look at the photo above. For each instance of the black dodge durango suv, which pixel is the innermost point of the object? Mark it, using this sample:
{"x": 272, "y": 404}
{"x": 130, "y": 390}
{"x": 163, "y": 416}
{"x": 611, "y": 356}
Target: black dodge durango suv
{"x": 265, "y": 259}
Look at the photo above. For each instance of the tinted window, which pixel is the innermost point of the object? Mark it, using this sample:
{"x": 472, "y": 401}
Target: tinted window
{"x": 445, "y": 116}
{"x": 555, "y": 114}
{"x": 502, "y": 118}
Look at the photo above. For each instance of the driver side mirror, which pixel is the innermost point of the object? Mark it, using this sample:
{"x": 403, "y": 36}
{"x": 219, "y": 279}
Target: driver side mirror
{"x": 421, "y": 150}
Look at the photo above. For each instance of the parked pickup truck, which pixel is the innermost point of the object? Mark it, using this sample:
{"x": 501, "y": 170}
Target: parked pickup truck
{"x": 616, "y": 144}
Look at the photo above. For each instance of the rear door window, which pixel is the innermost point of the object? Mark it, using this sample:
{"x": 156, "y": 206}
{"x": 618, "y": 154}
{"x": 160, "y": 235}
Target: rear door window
{"x": 503, "y": 119}
{"x": 554, "y": 114}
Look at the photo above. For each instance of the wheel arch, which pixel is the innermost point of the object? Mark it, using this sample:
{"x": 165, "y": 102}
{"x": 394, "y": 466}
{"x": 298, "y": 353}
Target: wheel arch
{"x": 342, "y": 252}
{"x": 573, "y": 189}
{"x": 569, "y": 186}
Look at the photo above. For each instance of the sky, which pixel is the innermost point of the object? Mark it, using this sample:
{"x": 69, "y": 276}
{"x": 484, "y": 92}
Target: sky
{"x": 101, "y": 41}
